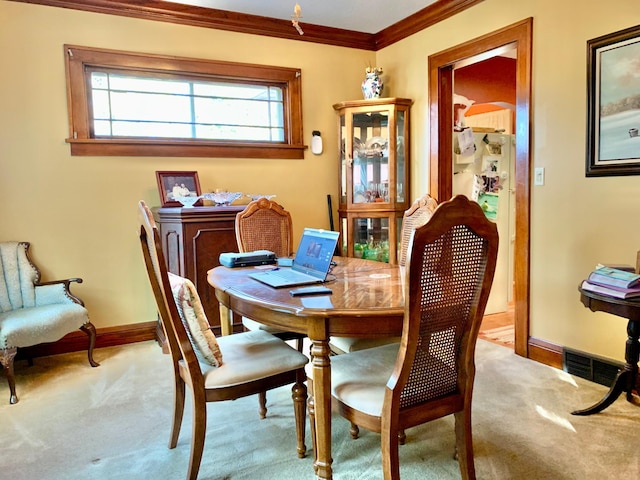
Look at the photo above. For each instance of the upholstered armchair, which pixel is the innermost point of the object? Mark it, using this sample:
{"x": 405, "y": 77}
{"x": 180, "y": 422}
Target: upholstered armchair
{"x": 32, "y": 312}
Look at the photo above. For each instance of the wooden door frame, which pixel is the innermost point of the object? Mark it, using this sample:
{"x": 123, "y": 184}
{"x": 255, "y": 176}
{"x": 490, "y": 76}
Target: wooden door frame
{"x": 441, "y": 132}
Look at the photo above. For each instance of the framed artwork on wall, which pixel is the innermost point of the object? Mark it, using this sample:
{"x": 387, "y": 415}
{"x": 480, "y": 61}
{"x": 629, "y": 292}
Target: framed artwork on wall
{"x": 613, "y": 104}
{"x": 172, "y": 185}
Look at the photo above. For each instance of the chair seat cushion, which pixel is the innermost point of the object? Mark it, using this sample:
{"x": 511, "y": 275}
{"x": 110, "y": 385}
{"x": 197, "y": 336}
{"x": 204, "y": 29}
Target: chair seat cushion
{"x": 352, "y": 344}
{"x": 195, "y": 320}
{"x": 359, "y": 379}
{"x": 250, "y": 356}
{"x": 24, "y": 327}
{"x": 253, "y": 325}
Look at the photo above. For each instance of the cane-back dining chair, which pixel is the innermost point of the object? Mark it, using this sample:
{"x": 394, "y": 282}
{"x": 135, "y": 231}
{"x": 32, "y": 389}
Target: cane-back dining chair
{"x": 214, "y": 369}
{"x": 417, "y": 215}
{"x": 266, "y": 225}
{"x": 34, "y": 312}
{"x": 450, "y": 266}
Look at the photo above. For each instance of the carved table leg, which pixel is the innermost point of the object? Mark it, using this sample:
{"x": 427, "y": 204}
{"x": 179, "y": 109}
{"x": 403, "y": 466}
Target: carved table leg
{"x": 627, "y": 377}
{"x": 322, "y": 407}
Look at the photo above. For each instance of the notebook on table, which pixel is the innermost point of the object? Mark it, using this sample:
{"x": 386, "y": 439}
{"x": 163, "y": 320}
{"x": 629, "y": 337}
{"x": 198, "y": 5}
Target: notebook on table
{"x": 310, "y": 264}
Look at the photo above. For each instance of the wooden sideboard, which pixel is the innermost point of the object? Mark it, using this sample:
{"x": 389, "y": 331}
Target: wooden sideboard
{"x": 192, "y": 241}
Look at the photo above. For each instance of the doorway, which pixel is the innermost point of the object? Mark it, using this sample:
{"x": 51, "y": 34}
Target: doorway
{"x": 441, "y": 67}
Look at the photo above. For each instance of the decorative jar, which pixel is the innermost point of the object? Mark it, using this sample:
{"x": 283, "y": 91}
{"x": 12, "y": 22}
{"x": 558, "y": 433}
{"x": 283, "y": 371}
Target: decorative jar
{"x": 372, "y": 84}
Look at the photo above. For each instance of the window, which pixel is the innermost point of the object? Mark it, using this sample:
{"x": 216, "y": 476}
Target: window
{"x": 132, "y": 104}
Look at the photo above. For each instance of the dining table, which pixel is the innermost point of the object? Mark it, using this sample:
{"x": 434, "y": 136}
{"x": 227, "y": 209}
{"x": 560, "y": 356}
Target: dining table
{"x": 366, "y": 300}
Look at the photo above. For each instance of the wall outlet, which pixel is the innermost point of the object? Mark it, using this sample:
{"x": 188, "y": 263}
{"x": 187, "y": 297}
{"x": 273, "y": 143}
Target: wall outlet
{"x": 538, "y": 177}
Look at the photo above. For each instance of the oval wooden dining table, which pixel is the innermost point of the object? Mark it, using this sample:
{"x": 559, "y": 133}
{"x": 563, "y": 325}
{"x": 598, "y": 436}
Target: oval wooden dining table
{"x": 367, "y": 301}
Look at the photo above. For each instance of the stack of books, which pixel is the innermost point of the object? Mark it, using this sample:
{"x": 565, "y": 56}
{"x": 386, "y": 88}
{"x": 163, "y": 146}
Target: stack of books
{"x": 613, "y": 282}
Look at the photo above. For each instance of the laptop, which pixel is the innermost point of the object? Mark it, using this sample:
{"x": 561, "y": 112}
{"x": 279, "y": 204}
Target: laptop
{"x": 310, "y": 264}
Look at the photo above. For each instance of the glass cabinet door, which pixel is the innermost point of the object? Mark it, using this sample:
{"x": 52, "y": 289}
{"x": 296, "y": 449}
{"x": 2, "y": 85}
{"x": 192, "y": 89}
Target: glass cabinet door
{"x": 345, "y": 164}
{"x": 371, "y": 238}
{"x": 400, "y": 154}
{"x": 370, "y": 168}
{"x": 374, "y": 175}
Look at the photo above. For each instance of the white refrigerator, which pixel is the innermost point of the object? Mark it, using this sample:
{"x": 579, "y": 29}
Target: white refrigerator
{"x": 484, "y": 173}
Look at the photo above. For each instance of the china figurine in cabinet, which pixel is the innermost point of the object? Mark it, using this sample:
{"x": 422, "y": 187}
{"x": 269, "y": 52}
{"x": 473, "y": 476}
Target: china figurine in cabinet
{"x": 374, "y": 176}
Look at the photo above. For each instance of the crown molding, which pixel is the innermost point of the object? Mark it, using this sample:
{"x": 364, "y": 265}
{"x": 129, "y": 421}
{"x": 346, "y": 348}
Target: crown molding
{"x": 164, "y": 11}
{"x": 426, "y": 17}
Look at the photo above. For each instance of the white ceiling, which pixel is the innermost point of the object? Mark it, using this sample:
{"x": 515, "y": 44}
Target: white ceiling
{"x": 369, "y": 16}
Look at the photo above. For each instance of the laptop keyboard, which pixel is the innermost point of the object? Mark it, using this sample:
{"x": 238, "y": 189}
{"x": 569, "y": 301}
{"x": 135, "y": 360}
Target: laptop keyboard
{"x": 290, "y": 275}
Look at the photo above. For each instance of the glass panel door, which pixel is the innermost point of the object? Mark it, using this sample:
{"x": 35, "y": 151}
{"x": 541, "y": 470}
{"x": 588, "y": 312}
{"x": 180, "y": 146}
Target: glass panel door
{"x": 371, "y": 238}
{"x": 344, "y": 163}
{"x": 370, "y": 174}
{"x": 400, "y": 156}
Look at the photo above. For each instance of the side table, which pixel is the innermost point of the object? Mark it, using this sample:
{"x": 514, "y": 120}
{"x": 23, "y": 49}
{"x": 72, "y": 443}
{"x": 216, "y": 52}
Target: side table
{"x": 627, "y": 378}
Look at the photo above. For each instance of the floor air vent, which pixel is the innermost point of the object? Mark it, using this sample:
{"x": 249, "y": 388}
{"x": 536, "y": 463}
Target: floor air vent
{"x": 591, "y": 367}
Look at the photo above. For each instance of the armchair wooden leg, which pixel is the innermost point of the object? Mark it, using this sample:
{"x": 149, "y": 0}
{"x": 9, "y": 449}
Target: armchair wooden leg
{"x": 6, "y": 358}
{"x": 299, "y": 396}
{"x": 262, "y": 404}
{"x": 90, "y": 330}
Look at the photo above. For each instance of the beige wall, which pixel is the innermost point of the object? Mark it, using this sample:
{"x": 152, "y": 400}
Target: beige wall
{"x": 576, "y": 221}
{"x": 79, "y": 212}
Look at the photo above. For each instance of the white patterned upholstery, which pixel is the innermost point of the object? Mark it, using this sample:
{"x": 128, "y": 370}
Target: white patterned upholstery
{"x": 32, "y": 313}
{"x": 24, "y": 327}
{"x": 17, "y": 289}
{"x": 195, "y": 320}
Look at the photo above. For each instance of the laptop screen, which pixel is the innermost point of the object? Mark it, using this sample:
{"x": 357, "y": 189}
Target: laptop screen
{"x": 315, "y": 251}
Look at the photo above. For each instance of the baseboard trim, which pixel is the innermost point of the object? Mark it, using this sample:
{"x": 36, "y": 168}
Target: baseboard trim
{"x": 105, "y": 337}
{"x": 541, "y": 351}
{"x": 545, "y": 352}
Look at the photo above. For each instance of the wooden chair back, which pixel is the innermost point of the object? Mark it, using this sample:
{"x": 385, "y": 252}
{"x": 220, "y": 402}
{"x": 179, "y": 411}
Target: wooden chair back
{"x": 265, "y": 225}
{"x": 449, "y": 275}
{"x": 180, "y": 346}
{"x": 260, "y": 361}
{"x": 417, "y": 215}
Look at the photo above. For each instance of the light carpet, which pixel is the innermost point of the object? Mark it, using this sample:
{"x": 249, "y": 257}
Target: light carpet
{"x": 112, "y": 422}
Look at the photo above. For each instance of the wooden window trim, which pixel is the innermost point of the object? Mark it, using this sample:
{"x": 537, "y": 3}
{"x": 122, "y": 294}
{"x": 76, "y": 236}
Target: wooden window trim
{"x": 77, "y": 58}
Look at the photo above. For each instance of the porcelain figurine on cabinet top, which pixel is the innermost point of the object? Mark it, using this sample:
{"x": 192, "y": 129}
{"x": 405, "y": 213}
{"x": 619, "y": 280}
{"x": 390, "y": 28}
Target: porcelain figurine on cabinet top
{"x": 372, "y": 85}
